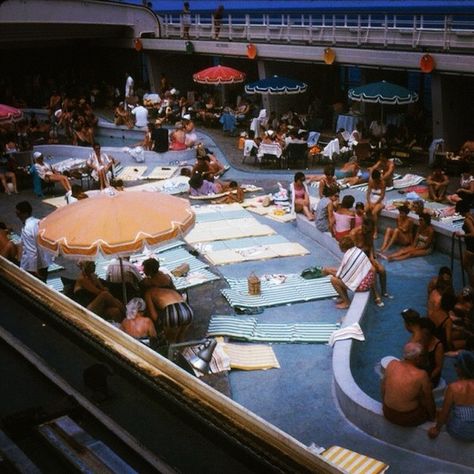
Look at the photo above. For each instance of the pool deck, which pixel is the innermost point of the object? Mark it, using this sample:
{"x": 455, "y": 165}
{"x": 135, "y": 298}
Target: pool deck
{"x": 313, "y": 396}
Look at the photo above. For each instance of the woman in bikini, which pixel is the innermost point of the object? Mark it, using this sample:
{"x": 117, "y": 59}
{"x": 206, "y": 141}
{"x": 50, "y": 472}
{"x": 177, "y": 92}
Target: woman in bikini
{"x": 375, "y": 197}
{"x": 402, "y": 234}
{"x": 300, "y": 196}
{"x": 422, "y": 243}
{"x": 344, "y": 218}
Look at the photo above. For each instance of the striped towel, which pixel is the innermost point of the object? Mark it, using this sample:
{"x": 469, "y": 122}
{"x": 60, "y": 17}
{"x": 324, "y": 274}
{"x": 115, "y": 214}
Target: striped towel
{"x": 248, "y": 329}
{"x": 251, "y": 357}
{"x": 294, "y": 289}
{"x": 355, "y": 265}
{"x": 352, "y": 462}
{"x": 54, "y": 267}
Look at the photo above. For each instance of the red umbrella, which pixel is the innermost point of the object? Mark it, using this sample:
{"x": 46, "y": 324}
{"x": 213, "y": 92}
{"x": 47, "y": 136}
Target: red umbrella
{"x": 10, "y": 114}
{"x": 219, "y": 75}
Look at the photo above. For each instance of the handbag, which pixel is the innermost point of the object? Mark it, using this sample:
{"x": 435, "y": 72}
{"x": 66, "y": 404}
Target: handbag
{"x": 312, "y": 272}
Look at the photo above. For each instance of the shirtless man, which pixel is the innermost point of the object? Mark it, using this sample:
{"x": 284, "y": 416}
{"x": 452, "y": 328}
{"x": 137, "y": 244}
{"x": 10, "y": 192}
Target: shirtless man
{"x": 170, "y": 311}
{"x": 154, "y": 276}
{"x": 407, "y": 390}
{"x": 385, "y": 166}
{"x": 136, "y": 324}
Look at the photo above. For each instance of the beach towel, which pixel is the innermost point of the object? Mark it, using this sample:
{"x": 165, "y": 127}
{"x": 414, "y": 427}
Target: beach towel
{"x": 352, "y": 331}
{"x": 332, "y": 148}
{"x": 249, "y": 329}
{"x": 227, "y": 229}
{"x": 292, "y": 288}
{"x": 262, "y": 252}
{"x": 246, "y": 188}
{"x": 131, "y": 173}
{"x": 162, "y": 172}
{"x": 354, "y": 267}
{"x": 176, "y": 185}
{"x": 250, "y": 357}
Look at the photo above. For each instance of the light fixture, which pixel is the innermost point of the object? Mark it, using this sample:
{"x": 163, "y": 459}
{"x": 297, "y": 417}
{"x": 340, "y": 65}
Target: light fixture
{"x": 427, "y": 63}
{"x": 329, "y": 56}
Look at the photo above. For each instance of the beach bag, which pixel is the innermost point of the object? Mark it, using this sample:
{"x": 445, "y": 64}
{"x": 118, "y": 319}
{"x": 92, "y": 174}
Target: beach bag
{"x": 312, "y": 272}
{"x": 253, "y": 284}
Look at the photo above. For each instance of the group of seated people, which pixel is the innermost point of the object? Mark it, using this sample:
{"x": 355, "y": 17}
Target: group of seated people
{"x": 447, "y": 330}
{"x": 155, "y": 307}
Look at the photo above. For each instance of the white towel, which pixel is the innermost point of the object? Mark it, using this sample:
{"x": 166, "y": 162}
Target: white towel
{"x": 331, "y": 148}
{"x": 353, "y": 331}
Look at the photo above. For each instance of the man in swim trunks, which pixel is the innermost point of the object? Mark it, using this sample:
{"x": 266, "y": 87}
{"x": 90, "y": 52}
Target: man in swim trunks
{"x": 407, "y": 390}
{"x": 169, "y": 311}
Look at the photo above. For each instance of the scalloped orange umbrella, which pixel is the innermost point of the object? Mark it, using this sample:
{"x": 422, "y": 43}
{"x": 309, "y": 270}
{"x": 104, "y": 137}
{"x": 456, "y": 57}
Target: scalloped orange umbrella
{"x": 115, "y": 225}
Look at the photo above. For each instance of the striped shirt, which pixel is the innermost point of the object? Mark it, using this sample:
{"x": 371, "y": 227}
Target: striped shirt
{"x": 355, "y": 266}
{"x": 131, "y": 274}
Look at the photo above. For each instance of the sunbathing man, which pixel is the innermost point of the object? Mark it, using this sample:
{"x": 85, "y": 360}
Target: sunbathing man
{"x": 136, "y": 324}
{"x": 169, "y": 311}
{"x": 437, "y": 184}
{"x": 407, "y": 390}
{"x": 402, "y": 234}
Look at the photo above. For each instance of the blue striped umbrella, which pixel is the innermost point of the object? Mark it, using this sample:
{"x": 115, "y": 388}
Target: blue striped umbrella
{"x": 276, "y": 85}
{"x": 383, "y": 92}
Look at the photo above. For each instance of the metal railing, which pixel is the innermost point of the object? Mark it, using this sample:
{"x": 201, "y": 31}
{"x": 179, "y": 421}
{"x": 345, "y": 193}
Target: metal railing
{"x": 432, "y": 32}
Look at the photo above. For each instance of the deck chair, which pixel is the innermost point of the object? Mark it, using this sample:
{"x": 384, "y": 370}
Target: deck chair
{"x": 295, "y": 152}
{"x": 350, "y": 461}
{"x": 269, "y": 153}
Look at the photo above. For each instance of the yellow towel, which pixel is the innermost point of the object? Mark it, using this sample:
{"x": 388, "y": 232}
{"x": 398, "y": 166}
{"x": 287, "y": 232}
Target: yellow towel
{"x": 352, "y": 462}
{"x": 251, "y": 357}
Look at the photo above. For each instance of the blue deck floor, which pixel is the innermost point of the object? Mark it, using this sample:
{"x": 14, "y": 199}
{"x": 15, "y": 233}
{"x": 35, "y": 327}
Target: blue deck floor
{"x": 299, "y": 397}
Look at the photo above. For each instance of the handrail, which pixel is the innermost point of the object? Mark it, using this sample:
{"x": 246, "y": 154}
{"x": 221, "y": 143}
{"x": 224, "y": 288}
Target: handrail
{"x": 378, "y": 30}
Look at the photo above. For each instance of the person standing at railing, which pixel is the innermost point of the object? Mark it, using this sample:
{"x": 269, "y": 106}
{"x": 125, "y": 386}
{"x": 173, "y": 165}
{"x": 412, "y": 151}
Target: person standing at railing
{"x": 186, "y": 20}
{"x": 217, "y": 20}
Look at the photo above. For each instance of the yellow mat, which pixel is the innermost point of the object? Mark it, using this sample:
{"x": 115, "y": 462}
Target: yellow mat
{"x": 352, "y": 462}
{"x": 251, "y": 357}
{"x": 264, "y": 252}
{"x": 131, "y": 173}
{"x": 227, "y": 229}
{"x": 162, "y": 172}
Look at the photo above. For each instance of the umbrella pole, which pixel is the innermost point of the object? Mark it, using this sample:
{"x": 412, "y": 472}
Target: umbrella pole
{"x": 124, "y": 286}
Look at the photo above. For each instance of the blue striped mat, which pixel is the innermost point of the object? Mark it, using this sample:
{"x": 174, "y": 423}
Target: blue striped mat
{"x": 295, "y": 289}
{"x": 249, "y": 329}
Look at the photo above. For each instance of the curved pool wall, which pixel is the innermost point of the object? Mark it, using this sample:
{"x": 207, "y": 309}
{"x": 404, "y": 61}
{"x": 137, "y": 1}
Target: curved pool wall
{"x": 362, "y": 410}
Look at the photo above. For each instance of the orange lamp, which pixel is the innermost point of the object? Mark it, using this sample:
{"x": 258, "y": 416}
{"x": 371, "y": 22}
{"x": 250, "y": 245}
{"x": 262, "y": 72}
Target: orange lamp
{"x": 138, "y": 44}
{"x": 251, "y": 51}
{"x": 329, "y": 56}
{"x": 427, "y": 63}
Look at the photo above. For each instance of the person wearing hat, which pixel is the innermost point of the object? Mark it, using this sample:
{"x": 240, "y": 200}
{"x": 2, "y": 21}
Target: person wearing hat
{"x": 402, "y": 234}
{"x": 47, "y": 173}
{"x": 457, "y": 412}
{"x": 136, "y": 324}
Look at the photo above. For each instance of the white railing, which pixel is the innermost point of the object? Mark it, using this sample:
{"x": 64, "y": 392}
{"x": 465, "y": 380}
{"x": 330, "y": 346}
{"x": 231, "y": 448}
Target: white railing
{"x": 434, "y": 32}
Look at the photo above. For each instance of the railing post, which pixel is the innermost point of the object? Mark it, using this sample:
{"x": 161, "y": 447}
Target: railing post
{"x": 229, "y": 25}
{"x": 310, "y": 23}
{"x": 247, "y": 27}
{"x": 358, "y": 30}
{"x": 385, "y": 33}
{"x": 334, "y": 29}
{"x": 413, "y": 40}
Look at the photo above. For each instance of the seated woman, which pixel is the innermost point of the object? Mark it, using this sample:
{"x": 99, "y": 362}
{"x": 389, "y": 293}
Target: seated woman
{"x": 169, "y": 311}
{"x": 8, "y": 249}
{"x": 359, "y": 214}
{"x": 327, "y": 180}
{"x": 466, "y": 187}
{"x": 437, "y": 184}
{"x": 344, "y": 217}
{"x": 375, "y": 196}
{"x": 355, "y": 272}
{"x": 7, "y": 175}
{"x": 122, "y": 116}
{"x": 236, "y": 193}
{"x": 178, "y": 138}
{"x": 136, "y": 324}
{"x": 48, "y": 174}
{"x": 206, "y": 163}
{"x": 147, "y": 142}
{"x": 422, "y": 243}
{"x": 300, "y": 196}
{"x": 90, "y": 293}
{"x": 198, "y": 186}
{"x": 441, "y": 318}
{"x": 457, "y": 412}
{"x": 402, "y": 234}
{"x": 324, "y": 212}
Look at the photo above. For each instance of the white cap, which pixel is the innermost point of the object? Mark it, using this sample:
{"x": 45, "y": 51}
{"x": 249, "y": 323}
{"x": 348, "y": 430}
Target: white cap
{"x": 173, "y": 91}
{"x": 187, "y": 117}
{"x": 37, "y": 154}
